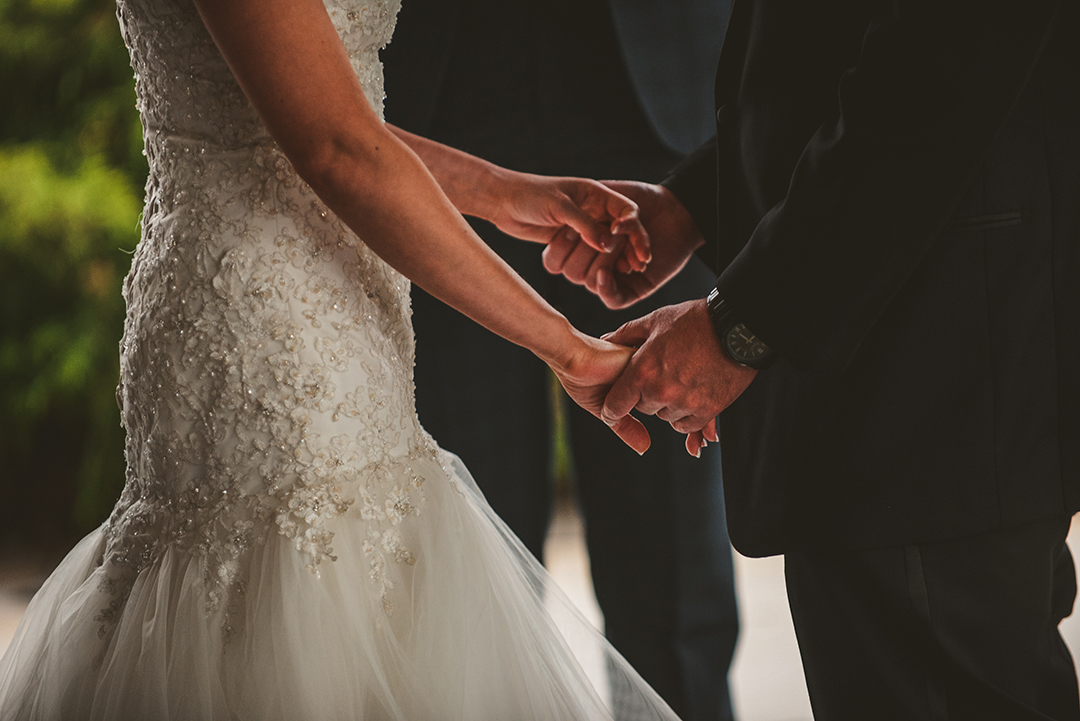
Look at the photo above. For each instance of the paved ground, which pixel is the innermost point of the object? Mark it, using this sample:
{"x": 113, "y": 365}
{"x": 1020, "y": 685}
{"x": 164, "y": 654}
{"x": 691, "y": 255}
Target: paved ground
{"x": 767, "y": 676}
{"x": 766, "y": 679}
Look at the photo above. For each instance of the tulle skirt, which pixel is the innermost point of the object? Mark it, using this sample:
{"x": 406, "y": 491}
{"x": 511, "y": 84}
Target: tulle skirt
{"x": 473, "y": 630}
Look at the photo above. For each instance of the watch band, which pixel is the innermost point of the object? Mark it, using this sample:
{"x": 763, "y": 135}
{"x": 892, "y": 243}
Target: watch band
{"x": 738, "y": 342}
{"x": 720, "y": 313}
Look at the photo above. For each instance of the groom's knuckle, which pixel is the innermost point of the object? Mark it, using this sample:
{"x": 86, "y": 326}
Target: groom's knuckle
{"x": 667, "y": 394}
{"x": 649, "y": 367}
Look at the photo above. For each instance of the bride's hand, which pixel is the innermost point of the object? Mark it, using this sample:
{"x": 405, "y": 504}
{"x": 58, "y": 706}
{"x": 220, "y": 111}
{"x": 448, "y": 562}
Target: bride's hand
{"x": 588, "y": 383}
{"x": 537, "y": 208}
{"x": 588, "y": 376}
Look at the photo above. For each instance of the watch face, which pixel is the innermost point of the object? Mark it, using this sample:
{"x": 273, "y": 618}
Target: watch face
{"x": 745, "y": 347}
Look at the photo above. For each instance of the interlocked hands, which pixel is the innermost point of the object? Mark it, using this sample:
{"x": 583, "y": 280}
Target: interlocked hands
{"x": 678, "y": 371}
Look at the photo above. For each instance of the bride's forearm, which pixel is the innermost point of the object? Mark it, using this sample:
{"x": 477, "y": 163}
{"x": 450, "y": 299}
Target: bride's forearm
{"x": 391, "y": 200}
{"x": 475, "y": 186}
{"x": 533, "y": 207}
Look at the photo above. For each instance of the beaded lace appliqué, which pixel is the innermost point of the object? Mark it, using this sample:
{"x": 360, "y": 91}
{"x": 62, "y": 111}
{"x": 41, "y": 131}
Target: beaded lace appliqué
{"x": 266, "y": 364}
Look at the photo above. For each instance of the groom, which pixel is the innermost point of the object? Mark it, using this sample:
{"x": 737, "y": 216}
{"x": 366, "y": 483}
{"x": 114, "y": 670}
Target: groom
{"x": 892, "y": 203}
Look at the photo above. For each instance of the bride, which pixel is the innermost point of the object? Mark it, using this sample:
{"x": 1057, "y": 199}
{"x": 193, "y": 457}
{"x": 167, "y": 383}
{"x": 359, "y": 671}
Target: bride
{"x": 289, "y": 543}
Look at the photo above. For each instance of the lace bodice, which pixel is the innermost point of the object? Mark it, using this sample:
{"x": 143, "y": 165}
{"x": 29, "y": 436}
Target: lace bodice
{"x": 185, "y": 89}
{"x": 266, "y": 364}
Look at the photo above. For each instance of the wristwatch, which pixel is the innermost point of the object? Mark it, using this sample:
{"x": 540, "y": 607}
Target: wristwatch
{"x": 738, "y": 342}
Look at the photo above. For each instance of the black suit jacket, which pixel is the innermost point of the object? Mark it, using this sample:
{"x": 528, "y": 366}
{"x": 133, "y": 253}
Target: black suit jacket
{"x": 669, "y": 48}
{"x": 893, "y": 202}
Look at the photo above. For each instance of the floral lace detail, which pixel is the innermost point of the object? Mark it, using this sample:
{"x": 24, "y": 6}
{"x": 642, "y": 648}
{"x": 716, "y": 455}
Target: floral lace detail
{"x": 266, "y": 364}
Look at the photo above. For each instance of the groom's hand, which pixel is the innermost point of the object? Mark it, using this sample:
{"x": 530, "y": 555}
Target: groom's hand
{"x": 679, "y": 372}
{"x": 674, "y": 238}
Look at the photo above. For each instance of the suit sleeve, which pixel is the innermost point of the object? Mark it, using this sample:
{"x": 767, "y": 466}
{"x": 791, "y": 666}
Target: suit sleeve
{"x": 694, "y": 183}
{"x": 877, "y": 183}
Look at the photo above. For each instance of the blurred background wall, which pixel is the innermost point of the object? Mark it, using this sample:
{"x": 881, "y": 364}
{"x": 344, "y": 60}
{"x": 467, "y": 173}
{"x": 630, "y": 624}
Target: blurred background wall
{"x": 71, "y": 179}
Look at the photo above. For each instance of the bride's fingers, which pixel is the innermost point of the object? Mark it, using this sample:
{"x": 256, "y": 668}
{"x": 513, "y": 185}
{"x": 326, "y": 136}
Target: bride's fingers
{"x": 640, "y": 251}
{"x": 632, "y": 433}
{"x": 696, "y": 440}
{"x": 709, "y": 432}
{"x": 593, "y": 233}
{"x": 694, "y": 443}
{"x": 626, "y": 219}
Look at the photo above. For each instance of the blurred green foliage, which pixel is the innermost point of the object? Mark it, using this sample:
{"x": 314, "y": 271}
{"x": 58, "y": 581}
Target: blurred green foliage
{"x": 71, "y": 177}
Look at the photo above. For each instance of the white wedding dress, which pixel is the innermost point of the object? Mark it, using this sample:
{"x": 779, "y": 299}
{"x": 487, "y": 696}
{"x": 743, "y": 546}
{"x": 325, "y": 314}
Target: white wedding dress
{"x": 290, "y": 544}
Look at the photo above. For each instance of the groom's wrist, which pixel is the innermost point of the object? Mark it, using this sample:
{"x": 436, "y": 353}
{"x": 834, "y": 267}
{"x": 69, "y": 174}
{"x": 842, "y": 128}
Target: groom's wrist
{"x": 738, "y": 342}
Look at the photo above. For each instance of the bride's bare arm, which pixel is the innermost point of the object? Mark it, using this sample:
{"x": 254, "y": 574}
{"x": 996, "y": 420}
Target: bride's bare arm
{"x": 536, "y": 207}
{"x": 292, "y": 66}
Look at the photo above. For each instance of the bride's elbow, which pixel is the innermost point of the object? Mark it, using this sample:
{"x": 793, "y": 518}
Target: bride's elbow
{"x": 343, "y": 166}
